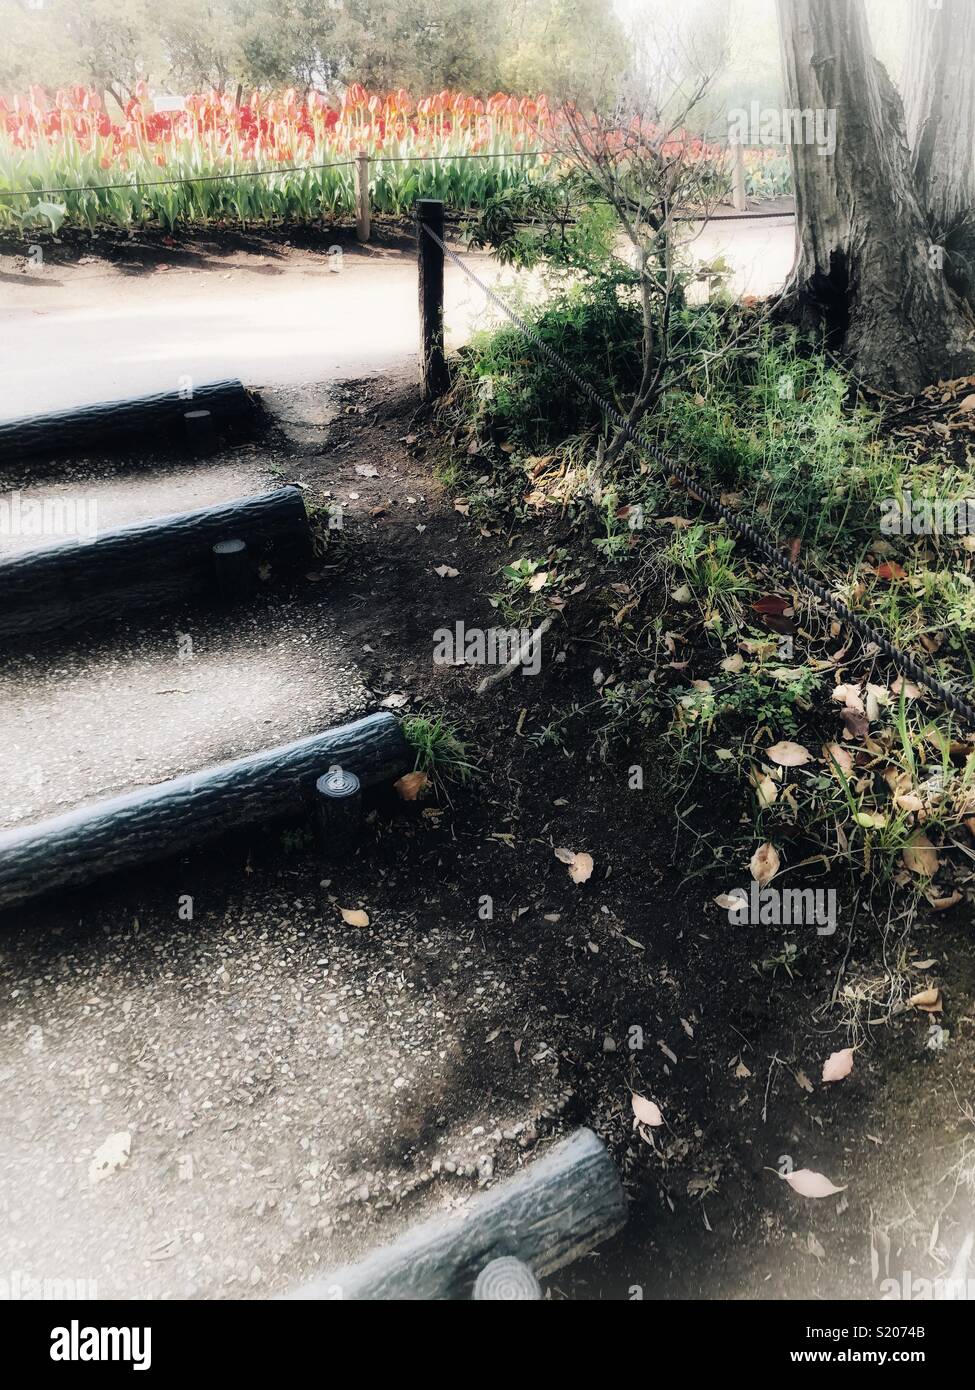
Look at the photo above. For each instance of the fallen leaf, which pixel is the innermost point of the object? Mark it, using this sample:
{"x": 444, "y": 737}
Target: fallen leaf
{"x": 581, "y": 868}
{"x": 354, "y": 916}
{"x": 920, "y": 856}
{"x": 579, "y": 865}
{"x": 412, "y": 785}
{"x": 875, "y": 696}
{"x": 849, "y": 695}
{"x": 928, "y": 1000}
{"x": 891, "y": 570}
{"x": 810, "y": 1184}
{"x": 765, "y": 788}
{"x": 111, "y": 1156}
{"x": 942, "y": 904}
{"x": 838, "y": 757}
{"x": 838, "y": 1064}
{"x": 764, "y": 863}
{"x": 771, "y": 603}
{"x": 788, "y": 754}
{"x": 646, "y": 1111}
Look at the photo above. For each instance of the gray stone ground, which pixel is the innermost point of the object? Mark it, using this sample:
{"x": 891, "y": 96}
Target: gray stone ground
{"x": 294, "y": 1088}
{"x": 287, "y": 1083}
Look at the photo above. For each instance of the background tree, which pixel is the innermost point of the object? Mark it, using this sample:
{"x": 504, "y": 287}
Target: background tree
{"x": 478, "y": 45}
{"x": 939, "y": 101}
{"x": 865, "y": 270}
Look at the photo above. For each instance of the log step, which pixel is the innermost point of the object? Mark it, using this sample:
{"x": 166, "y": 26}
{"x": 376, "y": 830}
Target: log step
{"x": 155, "y": 822}
{"x": 145, "y": 565}
{"x": 558, "y": 1208}
{"x": 139, "y": 419}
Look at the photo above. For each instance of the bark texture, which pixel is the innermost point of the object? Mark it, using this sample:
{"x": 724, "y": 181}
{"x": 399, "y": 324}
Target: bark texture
{"x": 109, "y": 423}
{"x": 864, "y": 270}
{"x": 939, "y": 104}
{"x": 146, "y": 565}
{"x": 556, "y": 1210}
{"x": 154, "y": 822}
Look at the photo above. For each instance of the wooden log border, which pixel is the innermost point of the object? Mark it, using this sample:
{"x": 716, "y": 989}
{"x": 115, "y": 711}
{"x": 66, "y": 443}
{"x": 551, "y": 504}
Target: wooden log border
{"x": 154, "y": 822}
{"x": 146, "y": 565}
{"x": 556, "y": 1209}
{"x": 138, "y": 419}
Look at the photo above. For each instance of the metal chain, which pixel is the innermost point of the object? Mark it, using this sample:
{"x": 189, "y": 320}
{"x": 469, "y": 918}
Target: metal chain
{"x": 907, "y": 664}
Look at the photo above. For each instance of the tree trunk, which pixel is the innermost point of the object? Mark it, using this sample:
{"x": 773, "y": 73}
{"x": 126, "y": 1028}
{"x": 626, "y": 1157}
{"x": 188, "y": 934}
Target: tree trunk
{"x": 939, "y": 104}
{"x": 864, "y": 270}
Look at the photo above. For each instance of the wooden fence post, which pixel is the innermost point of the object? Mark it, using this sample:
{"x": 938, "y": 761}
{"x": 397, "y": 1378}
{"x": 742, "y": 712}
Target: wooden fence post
{"x": 362, "y": 197}
{"x": 738, "y": 176}
{"x": 433, "y": 363}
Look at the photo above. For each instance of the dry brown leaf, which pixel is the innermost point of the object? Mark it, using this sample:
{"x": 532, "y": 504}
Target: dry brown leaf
{"x": 920, "y": 856}
{"x": 928, "y": 1000}
{"x": 111, "y": 1156}
{"x": 941, "y": 904}
{"x": 849, "y": 696}
{"x": 354, "y": 916}
{"x": 836, "y": 754}
{"x": 764, "y": 863}
{"x": 838, "y": 1064}
{"x": 579, "y": 865}
{"x": 412, "y": 785}
{"x": 765, "y": 788}
{"x": 581, "y": 868}
{"x": 787, "y": 754}
{"x": 810, "y": 1184}
{"x": 646, "y": 1111}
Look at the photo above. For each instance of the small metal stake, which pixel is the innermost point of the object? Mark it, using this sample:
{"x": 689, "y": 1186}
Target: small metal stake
{"x": 338, "y": 807}
{"x": 232, "y": 567}
{"x": 201, "y": 434}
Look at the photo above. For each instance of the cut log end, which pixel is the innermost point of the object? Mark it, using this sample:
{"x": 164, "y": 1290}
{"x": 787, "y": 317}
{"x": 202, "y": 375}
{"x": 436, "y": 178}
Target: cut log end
{"x": 558, "y": 1208}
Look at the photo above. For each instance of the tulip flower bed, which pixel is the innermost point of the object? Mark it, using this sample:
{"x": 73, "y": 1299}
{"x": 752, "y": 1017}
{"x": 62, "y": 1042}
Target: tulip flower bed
{"x": 768, "y": 173}
{"x": 272, "y": 158}
{"x": 448, "y": 146}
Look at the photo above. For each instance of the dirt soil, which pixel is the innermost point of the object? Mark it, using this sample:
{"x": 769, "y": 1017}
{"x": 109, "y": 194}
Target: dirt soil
{"x": 297, "y": 1089}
